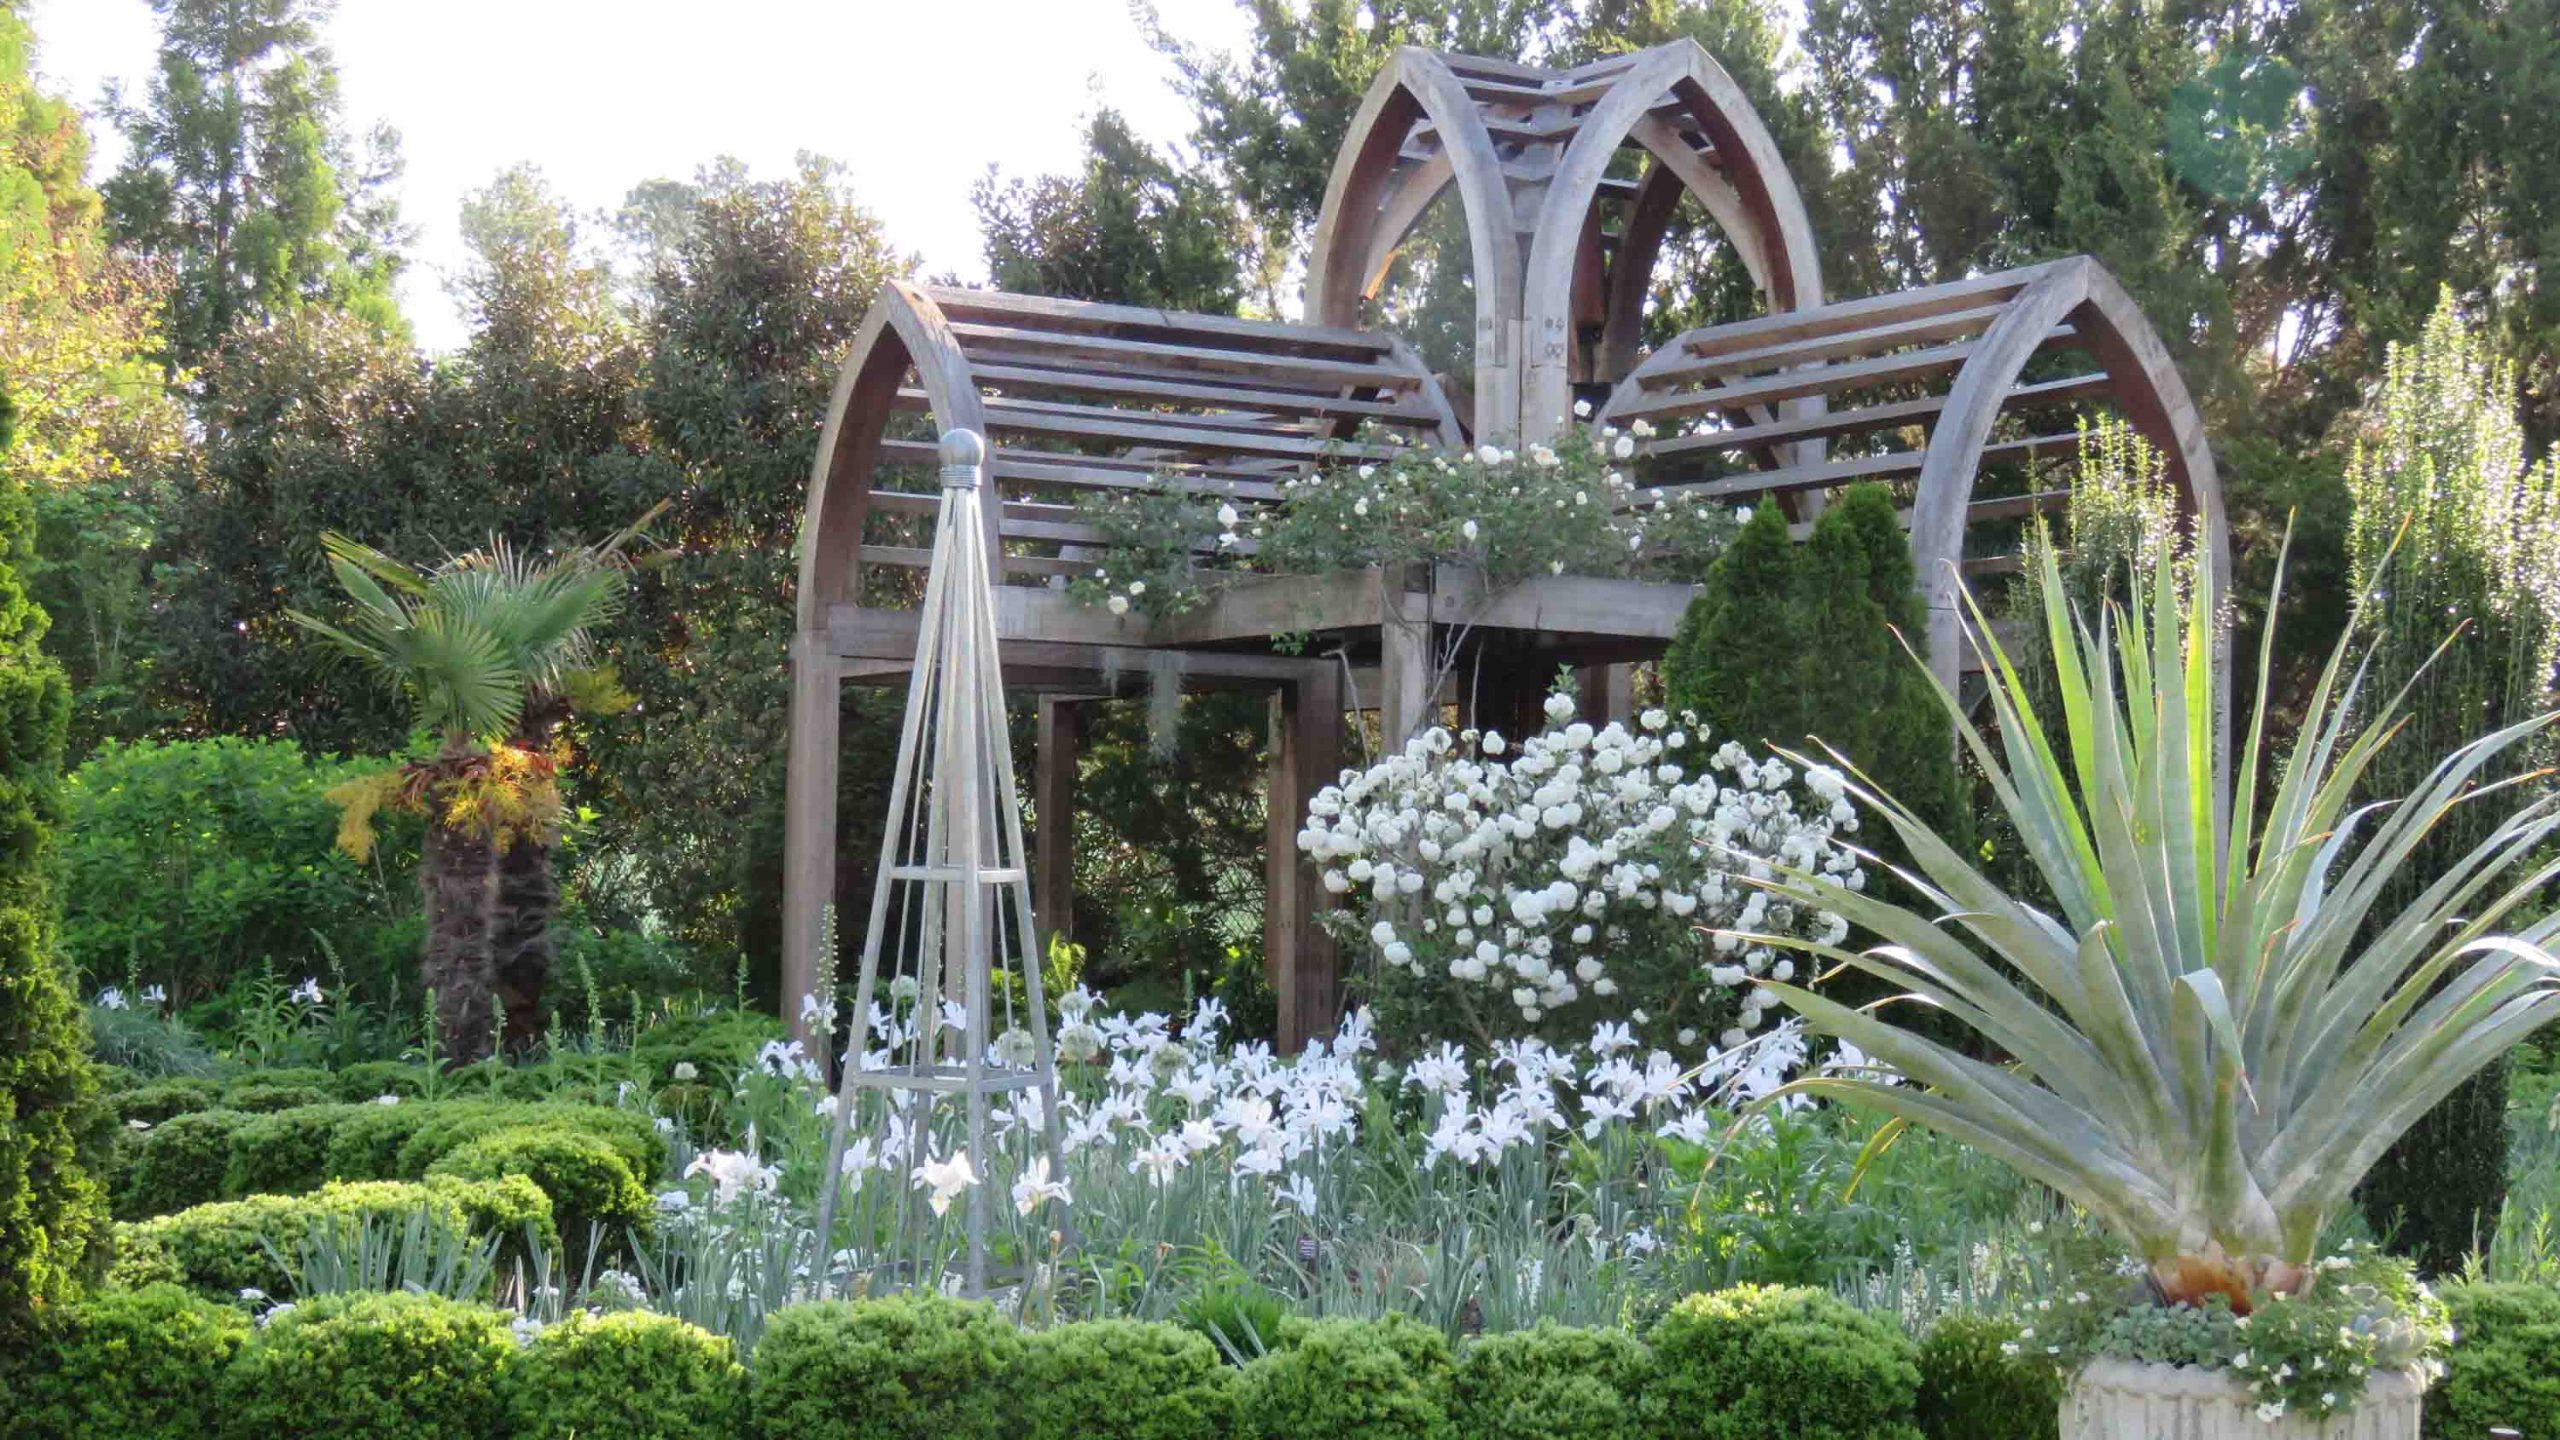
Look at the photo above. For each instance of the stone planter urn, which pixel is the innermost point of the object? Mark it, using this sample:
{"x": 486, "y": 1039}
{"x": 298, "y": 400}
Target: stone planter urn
{"x": 2130, "y": 1400}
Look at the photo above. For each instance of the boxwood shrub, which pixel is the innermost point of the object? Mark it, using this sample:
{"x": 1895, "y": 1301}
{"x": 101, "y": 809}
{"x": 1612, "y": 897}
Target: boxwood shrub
{"x": 371, "y": 1367}
{"x": 1124, "y": 1380}
{"x": 2505, "y": 1368}
{"x": 217, "y": 1249}
{"x": 124, "y": 1365}
{"x": 590, "y": 1182}
{"x": 160, "y": 1099}
{"x": 909, "y": 1367}
{"x": 633, "y": 1376}
{"x": 1767, "y": 1363}
{"x": 1384, "y": 1379}
{"x": 1551, "y": 1383}
{"x": 181, "y": 1162}
{"x": 1971, "y": 1390}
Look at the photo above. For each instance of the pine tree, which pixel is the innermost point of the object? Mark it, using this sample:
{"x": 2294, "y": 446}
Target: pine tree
{"x": 1907, "y": 744}
{"x": 52, "y": 1211}
{"x": 239, "y": 172}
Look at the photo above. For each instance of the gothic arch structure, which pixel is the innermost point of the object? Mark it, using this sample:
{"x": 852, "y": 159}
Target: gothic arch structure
{"x": 1529, "y": 152}
{"x": 1931, "y": 387}
{"x": 1569, "y": 180}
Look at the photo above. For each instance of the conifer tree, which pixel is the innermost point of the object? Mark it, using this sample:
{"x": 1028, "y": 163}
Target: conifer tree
{"x": 52, "y": 1211}
{"x": 1734, "y": 658}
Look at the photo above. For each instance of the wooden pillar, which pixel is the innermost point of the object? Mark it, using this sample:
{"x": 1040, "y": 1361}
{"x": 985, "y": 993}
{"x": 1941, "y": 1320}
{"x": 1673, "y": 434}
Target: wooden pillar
{"x": 1608, "y": 692}
{"x": 1404, "y": 666}
{"x": 1298, "y": 957}
{"x": 1057, "y": 748}
{"x": 809, "y": 820}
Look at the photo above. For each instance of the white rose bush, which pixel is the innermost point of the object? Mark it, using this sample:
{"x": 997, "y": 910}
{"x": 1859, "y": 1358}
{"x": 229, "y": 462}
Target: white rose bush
{"x": 1584, "y": 876}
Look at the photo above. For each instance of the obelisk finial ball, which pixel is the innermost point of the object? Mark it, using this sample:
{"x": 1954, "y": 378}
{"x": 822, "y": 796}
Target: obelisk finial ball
{"x": 963, "y": 447}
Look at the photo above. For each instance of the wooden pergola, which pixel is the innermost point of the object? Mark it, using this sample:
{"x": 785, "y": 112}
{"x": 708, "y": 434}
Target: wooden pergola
{"x": 1931, "y": 389}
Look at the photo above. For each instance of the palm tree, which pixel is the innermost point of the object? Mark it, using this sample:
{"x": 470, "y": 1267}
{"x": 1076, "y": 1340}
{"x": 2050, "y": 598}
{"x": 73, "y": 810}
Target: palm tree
{"x": 494, "y": 650}
{"x": 2230, "y": 1019}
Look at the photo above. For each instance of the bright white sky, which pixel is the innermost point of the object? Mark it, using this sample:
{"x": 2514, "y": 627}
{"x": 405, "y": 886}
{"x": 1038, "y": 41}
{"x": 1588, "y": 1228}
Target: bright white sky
{"x": 916, "y": 97}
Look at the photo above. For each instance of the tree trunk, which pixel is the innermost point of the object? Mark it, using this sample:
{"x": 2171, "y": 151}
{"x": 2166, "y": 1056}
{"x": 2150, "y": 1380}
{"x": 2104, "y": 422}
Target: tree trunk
{"x": 522, "y": 945}
{"x": 458, "y": 871}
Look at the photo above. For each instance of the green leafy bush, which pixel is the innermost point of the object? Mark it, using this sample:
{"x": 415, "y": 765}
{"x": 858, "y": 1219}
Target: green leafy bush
{"x": 910, "y": 1367}
{"x": 182, "y": 1162}
{"x": 280, "y": 1090}
{"x": 1972, "y": 1389}
{"x": 372, "y": 1079}
{"x": 714, "y": 1044}
{"x": 1382, "y": 1379}
{"x": 1124, "y": 1380}
{"x": 283, "y": 1152}
{"x": 371, "y": 1367}
{"x": 632, "y": 1376}
{"x": 1762, "y": 1363}
{"x": 1550, "y": 1383}
{"x": 590, "y": 1182}
{"x": 2505, "y": 1367}
{"x": 189, "y": 863}
{"x": 222, "y": 1248}
{"x": 126, "y": 1365}
{"x": 163, "y": 1099}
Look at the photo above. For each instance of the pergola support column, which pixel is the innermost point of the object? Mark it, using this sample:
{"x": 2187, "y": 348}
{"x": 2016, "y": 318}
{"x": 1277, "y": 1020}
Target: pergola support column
{"x": 809, "y": 821}
{"x": 1057, "y": 750}
{"x": 1298, "y": 956}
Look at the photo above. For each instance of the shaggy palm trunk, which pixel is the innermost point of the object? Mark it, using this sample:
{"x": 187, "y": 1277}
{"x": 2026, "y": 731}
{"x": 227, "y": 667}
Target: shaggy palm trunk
{"x": 521, "y": 943}
{"x": 459, "y": 872}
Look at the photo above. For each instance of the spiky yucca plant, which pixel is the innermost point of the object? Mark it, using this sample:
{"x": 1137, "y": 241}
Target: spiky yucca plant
{"x": 2219, "y": 1034}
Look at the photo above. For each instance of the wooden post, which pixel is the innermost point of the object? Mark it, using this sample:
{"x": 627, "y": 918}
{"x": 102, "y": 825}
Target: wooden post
{"x": 809, "y": 820}
{"x": 1298, "y": 957}
{"x": 1608, "y": 692}
{"x": 1404, "y": 664}
{"x": 1058, "y": 747}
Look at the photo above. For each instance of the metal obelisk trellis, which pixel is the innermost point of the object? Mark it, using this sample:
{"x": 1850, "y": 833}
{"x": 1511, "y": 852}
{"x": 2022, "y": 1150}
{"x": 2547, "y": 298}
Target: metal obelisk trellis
{"x": 951, "y": 918}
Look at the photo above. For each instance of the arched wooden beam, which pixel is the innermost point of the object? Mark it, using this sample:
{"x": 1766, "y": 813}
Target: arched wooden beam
{"x": 905, "y": 330}
{"x": 1769, "y": 221}
{"x": 1418, "y": 84}
{"x": 2142, "y": 381}
{"x": 1403, "y": 209}
{"x": 1648, "y": 223}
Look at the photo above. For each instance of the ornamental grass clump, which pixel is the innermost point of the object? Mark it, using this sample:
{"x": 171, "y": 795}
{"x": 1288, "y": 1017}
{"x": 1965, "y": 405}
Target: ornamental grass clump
{"x": 2222, "y": 1030}
{"x": 1595, "y": 874}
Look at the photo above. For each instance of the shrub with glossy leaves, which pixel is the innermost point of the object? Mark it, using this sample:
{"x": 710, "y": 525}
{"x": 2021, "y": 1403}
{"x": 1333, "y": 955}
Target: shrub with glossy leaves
{"x": 909, "y": 1367}
{"x": 633, "y": 1376}
{"x": 2505, "y": 1367}
{"x": 124, "y": 1365}
{"x": 1764, "y": 1363}
{"x": 181, "y": 1162}
{"x": 1124, "y": 1380}
{"x": 1550, "y": 1383}
{"x": 588, "y": 1180}
{"x": 1972, "y": 1389}
{"x": 1384, "y": 1379}
{"x": 371, "y": 1367}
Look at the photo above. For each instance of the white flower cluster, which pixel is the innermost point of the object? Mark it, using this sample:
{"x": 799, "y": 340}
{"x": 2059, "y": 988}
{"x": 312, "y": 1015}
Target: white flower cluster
{"x": 1608, "y": 864}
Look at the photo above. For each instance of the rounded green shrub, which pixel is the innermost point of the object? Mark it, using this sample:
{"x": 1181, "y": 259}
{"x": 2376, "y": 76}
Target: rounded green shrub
{"x": 125, "y": 1365}
{"x": 266, "y": 1099}
{"x": 909, "y": 1367}
{"x": 715, "y": 1043}
{"x": 589, "y": 1182}
{"x": 222, "y": 1248}
{"x": 2505, "y": 1367}
{"x": 283, "y": 1152}
{"x": 632, "y": 1376}
{"x": 1550, "y": 1383}
{"x": 371, "y": 1079}
{"x": 182, "y": 1162}
{"x": 160, "y": 1100}
{"x": 1971, "y": 1389}
{"x": 1382, "y": 1379}
{"x": 371, "y": 1367}
{"x": 1766, "y": 1363}
{"x": 1124, "y": 1380}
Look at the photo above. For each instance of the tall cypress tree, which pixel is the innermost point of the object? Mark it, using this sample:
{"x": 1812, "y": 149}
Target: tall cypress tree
{"x": 51, "y": 1209}
{"x": 1734, "y": 660}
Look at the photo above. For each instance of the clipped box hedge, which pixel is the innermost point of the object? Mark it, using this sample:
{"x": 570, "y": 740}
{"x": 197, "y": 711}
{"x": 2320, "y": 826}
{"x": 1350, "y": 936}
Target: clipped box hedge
{"x": 221, "y": 1249}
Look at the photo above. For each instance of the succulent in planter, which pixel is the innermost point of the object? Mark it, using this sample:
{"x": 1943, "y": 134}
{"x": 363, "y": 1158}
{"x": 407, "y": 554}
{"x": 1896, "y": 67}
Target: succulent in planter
{"x": 2217, "y": 1035}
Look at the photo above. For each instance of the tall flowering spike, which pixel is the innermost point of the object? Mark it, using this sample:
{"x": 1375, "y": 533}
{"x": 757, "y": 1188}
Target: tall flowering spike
{"x": 950, "y": 945}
